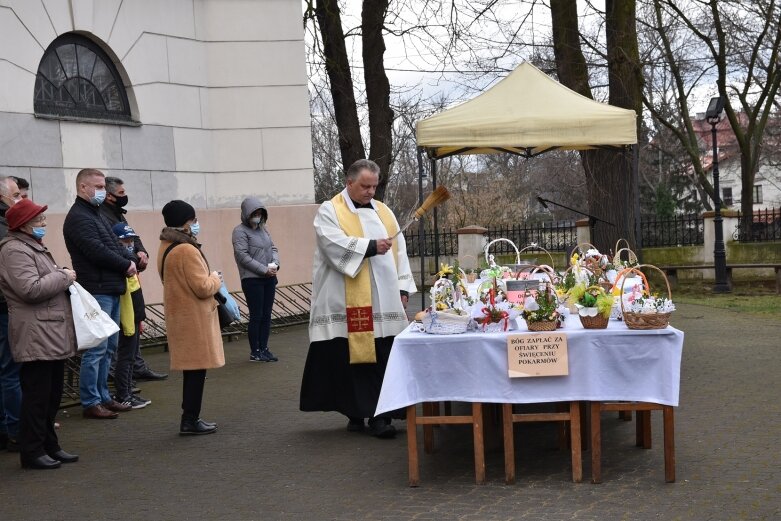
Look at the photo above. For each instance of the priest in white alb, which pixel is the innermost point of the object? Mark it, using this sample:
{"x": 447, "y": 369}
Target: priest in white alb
{"x": 360, "y": 288}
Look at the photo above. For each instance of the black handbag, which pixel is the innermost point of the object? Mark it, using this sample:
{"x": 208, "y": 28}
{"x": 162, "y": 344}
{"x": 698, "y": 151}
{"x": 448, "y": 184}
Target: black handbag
{"x": 225, "y": 317}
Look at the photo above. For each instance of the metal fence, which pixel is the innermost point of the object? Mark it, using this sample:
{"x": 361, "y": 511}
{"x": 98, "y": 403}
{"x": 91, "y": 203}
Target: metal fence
{"x": 448, "y": 242}
{"x": 552, "y": 236}
{"x": 764, "y": 225}
{"x": 680, "y": 230}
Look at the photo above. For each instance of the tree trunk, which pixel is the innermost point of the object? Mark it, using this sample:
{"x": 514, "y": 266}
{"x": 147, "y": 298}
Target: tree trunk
{"x": 337, "y": 65}
{"x": 377, "y": 90}
{"x": 608, "y": 172}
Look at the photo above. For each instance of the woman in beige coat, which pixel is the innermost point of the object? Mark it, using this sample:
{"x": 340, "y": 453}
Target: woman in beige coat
{"x": 192, "y": 323}
{"x": 40, "y": 329}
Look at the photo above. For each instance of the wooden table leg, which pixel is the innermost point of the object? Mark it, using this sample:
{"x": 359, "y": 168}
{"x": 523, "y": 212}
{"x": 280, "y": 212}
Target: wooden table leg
{"x": 509, "y": 443}
{"x": 585, "y": 433}
{"x": 669, "y": 444}
{"x": 596, "y": 443}
{"x": 644, "y": 429}
{"x": 477, "y": 429}
{"x": 575, "y": 448}
{"x": 412, "y": 446}
{"x": 428, "y": 430}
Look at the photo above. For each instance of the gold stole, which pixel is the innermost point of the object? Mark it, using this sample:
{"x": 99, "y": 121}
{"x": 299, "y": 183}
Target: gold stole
{"x": 358, "y": 290}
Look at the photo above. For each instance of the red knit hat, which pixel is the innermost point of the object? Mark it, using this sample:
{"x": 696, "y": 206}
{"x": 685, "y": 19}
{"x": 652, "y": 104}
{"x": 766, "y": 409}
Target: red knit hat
{"x": 22, "y": 212}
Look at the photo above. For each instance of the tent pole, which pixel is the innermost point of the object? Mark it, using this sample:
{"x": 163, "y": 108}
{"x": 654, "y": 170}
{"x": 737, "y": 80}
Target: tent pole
{"x": 421, "y": 232}
{"x": 636, "y": 183}
{"x": 436, "y": 220}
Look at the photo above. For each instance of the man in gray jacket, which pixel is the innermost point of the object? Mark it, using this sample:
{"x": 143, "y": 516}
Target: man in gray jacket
{"x": 258, "y": 261}
{"x": 10, "y": 390}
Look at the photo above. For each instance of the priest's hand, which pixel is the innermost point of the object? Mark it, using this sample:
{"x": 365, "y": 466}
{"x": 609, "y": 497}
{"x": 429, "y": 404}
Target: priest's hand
{"x": 383, "y": 245}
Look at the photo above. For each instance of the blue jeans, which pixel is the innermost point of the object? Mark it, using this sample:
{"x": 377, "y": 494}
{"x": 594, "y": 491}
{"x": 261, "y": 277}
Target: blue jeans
{"x": 10, "y": 389}
{"x": 95, "y": 362}
{"x": 260, "y": 299}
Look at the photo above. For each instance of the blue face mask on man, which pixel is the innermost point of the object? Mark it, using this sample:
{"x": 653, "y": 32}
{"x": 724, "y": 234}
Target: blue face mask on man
{"x": 195, "y": 228}
{"x": 38, "y": 232}
{"x": 98, "y": 198}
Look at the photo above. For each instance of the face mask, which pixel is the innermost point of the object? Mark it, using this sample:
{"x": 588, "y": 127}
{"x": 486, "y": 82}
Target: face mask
{"x": 131, "y": 249}
{"x": 255, "y": 220}
{"x": 39, "y": 232}
{"x": 98, "y": 198}
{"x": 120, "y": 201}
{"x": 195, "y": 228}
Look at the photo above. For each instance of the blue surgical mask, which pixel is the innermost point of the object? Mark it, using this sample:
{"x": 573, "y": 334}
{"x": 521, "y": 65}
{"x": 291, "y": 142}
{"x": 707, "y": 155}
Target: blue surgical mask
{"x": 131, "y": 249}
{"x": 98, "y": 198}
{"x": 195, "y": 228}
{"x": 39, "y": 232}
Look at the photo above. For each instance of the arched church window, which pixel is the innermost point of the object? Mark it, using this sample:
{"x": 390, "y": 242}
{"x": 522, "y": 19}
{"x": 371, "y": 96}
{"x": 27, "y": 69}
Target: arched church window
{"x": 77, "y": 80}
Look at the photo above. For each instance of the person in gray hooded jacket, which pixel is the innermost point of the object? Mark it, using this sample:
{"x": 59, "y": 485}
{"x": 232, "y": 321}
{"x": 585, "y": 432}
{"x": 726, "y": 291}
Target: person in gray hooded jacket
{"x": 258, "y": 261}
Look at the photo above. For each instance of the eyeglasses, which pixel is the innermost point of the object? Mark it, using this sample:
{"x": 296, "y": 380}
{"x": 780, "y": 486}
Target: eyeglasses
{"x": 39, "y": 220}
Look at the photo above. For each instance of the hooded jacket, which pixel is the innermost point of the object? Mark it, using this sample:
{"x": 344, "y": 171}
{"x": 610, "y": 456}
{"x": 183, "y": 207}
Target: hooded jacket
{"x": 253, "y": 247}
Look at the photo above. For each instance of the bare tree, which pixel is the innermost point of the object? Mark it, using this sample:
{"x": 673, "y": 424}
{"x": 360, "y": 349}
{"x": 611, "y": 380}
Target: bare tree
{"x": 740, "y": 43}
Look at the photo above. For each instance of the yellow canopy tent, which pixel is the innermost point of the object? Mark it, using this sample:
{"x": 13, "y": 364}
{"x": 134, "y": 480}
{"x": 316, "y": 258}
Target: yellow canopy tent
{"x": 527, "y": 113}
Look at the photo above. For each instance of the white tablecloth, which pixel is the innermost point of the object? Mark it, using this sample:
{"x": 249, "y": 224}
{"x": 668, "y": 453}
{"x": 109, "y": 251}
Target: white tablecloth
{"x": 609, "y": 364}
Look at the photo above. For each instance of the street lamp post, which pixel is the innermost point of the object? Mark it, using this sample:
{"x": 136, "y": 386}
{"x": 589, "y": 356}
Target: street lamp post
{"x": 713, "y": 115}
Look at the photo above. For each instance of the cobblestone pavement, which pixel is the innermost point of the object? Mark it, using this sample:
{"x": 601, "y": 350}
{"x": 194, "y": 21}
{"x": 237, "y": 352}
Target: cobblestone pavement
{"x": 270, "y": 461}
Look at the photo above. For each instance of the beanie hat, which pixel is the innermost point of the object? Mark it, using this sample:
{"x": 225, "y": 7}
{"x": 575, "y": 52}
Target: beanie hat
{"x": 123, "y": 231}
{"x": 176, "y": 213}
{"x": 22, "y": 212}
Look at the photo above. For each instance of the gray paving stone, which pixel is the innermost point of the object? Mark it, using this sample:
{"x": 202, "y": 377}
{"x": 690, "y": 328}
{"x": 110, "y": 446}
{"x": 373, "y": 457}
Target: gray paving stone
{"x": 269, "y": 461}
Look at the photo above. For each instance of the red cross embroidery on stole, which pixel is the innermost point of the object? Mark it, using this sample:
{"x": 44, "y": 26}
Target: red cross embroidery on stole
{"x": 359, "y": 320}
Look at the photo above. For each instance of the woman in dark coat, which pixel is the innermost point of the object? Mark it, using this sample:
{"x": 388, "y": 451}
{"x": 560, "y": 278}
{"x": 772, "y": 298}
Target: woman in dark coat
{"x": 40, "y": 328}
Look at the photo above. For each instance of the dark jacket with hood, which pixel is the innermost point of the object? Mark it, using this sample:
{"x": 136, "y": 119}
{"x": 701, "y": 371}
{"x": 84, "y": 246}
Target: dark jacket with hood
{"x": 253, "y": 247}
{"x": 100, "y": 261}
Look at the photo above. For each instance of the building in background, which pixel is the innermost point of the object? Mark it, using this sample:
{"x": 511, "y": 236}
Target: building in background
{"x": 200, "y": 100}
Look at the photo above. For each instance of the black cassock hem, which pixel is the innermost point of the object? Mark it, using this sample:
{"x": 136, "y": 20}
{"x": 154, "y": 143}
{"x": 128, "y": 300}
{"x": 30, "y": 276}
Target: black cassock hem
{"x": 331, "y": 383}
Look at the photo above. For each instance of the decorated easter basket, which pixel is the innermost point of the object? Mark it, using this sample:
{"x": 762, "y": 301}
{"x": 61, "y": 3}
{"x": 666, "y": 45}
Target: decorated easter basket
{"x": 441, "y": 323}
{"x": 544, "y": 325}
{"x": 644, "y": 320}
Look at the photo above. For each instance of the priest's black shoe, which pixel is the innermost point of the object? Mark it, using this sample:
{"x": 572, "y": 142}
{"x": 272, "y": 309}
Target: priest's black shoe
{"x": 381, "y": 428}
{"x": 189, "y": 427}
{"x": 64, "y": 457}
{"x": 41, "y": 462}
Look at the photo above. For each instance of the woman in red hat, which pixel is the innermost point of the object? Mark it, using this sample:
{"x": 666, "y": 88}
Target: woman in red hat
{"x": 40, "y": 328}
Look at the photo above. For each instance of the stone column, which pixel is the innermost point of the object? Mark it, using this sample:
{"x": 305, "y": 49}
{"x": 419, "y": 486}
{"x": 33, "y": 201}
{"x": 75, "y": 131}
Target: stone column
{"x": 583, "y": 231}
{"x": 471, "y": 245}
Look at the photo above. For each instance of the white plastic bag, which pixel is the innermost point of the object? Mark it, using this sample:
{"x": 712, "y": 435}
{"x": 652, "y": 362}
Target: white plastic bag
{"x": 92, "y": 324}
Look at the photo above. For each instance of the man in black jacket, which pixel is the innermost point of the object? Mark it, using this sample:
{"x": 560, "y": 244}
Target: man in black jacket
{"x": 113, "y": 209}
{"x": 101, "y": 266}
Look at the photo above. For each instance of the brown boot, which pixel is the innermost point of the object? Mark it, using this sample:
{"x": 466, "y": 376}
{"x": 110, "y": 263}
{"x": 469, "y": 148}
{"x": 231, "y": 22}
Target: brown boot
{"x": 98, "y": 412}
{"x": 115, "y": 406}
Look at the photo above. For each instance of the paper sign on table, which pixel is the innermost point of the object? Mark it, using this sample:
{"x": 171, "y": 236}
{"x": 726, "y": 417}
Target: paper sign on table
{"x": 537, "y": 354}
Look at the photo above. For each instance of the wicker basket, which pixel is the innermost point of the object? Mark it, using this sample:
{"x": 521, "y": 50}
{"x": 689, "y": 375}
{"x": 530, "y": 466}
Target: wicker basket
{"x": 644, "y": 320}
{"x": 439, "y": 323}
{"x": 596, "y": 322}
{"x": 542, "y": 325}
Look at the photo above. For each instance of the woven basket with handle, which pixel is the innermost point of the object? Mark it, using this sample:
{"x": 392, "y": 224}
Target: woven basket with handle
{"x": 644, "y": 320}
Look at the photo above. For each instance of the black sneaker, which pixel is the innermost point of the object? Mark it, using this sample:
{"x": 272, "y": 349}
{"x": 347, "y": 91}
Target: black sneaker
{"x": 138, "y": 402}
{"x": 258, "y": 357}
{"x": 269, "y": 355}
{"x": 381, "y": 428}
